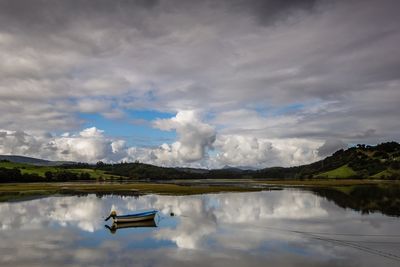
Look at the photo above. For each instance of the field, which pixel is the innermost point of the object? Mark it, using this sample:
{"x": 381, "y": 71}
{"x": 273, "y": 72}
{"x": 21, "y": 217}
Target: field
{"x": 41, "y": 170}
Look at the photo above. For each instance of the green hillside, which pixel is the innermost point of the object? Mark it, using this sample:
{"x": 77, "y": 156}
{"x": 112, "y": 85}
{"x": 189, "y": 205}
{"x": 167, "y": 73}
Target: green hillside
{"x": 342, "y": 172}
{"x": 362, "y": 161}
{"x": 28, "y": 168}
{"x": 38, "y": 172}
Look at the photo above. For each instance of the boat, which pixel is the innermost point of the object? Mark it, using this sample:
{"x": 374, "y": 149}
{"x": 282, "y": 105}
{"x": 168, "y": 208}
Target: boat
{"x": 139, "y": 224}
{"x": 135, "y": 217}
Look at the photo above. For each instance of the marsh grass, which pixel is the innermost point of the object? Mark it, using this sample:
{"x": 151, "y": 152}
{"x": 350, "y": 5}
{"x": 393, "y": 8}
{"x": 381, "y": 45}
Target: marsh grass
{"x": 21, "y": 190}
{"x": 17, "y": 191}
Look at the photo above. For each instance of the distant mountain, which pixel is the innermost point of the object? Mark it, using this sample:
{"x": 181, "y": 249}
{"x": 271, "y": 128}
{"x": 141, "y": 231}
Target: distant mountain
{"x": 240, "y": 168}
{"x": 33, "y": 161}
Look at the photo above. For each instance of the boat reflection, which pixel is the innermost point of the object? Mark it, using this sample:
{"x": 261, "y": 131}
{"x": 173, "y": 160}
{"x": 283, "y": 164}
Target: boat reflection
{"x": 123, "y": 225}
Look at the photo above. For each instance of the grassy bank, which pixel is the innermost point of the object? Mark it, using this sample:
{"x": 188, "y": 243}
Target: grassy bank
{"x": 24, "y": 190}
{"x": 326, "y": 182}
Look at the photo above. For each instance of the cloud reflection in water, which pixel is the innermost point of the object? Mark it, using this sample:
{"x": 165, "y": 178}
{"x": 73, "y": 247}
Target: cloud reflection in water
{"x": 239, "y": 229}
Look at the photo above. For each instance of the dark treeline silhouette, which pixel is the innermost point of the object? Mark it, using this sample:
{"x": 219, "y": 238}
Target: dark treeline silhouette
{"x": 15, "y": 175}
{"x": 77, "y": 165}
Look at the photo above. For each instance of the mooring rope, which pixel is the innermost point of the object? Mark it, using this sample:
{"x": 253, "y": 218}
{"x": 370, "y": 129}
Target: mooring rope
{"x": 347, "y": 243}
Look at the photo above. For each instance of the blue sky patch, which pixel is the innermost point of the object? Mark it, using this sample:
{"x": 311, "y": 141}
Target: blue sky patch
{"x": 135, "y": 128}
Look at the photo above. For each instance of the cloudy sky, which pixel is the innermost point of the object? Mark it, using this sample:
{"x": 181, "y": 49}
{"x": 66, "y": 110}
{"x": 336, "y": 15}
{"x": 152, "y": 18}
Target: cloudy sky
{"x": 197, "y": 83}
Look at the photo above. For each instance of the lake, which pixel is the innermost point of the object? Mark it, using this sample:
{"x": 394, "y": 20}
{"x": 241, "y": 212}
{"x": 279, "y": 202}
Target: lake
{"x": 288, "y": 227}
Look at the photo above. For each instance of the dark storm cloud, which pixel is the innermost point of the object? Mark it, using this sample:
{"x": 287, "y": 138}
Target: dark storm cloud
{"x": 330, "y": 146}
{"x": 269, "y": 12}
{"x": 45, "y": 16}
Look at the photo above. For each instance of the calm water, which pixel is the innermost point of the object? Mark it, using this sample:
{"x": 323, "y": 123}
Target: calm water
{"x": 271, "y": 228}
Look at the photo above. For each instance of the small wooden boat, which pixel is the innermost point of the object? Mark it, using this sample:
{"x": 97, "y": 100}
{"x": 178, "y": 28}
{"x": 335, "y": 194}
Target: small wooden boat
{"x": 136, "y": 217}
{"x": 140, "y": 224}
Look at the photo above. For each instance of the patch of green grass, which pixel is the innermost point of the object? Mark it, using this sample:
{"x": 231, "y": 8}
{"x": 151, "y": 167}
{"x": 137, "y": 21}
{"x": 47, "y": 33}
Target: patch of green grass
{"x": 27, "y": 168}
{"x": 11, "y": 165}
{"x": 96, "y": 174}
{"x": 41, "y": 170}
{"x": 341, "y": 172}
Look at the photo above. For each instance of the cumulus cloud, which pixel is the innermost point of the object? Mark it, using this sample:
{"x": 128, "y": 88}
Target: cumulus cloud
{"x": 89, "y": 145}
{"x": 239, "y": 150}
{"x": 245, "y": 151}
{"x": 194, "y": 138}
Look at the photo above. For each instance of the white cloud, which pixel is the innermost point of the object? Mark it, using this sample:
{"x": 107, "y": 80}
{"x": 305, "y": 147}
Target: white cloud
{"x": 235, "y": 150}
{"x": 89, "y": 145}
{"x": 194, "y": 138}
{"x": 239, "y": 150}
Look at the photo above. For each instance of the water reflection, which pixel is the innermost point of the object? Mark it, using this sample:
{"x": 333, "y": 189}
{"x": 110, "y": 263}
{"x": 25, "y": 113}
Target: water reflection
{"x": 115, "y": 226}
{"x": 285, "y": 227}
{"x": 366, "y": 198}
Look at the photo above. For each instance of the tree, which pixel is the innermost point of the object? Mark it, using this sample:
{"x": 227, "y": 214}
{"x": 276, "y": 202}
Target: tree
{"x": 48, "y": 175}
{"x": 99, "y": 164}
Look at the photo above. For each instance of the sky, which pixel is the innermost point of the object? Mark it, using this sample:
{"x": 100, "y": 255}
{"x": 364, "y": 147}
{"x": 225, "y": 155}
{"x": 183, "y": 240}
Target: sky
{"x": 197, "y": 83}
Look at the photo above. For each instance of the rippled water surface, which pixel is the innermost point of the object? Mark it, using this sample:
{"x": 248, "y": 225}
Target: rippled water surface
{"x": 271, "y": 228}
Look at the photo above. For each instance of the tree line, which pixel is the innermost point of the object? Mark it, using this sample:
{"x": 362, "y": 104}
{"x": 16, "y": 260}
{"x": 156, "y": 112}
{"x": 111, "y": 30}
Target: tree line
{"x": 15, "y": 175}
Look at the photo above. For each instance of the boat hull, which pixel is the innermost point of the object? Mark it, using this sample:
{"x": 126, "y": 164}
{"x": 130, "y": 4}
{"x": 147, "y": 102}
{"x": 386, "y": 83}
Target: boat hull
{"x": 148, "y": 223}
{"x": 140, "y": 224}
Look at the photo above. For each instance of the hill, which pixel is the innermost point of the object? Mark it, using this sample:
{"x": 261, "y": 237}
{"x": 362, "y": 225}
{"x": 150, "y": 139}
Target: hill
{"x": 22, "y": 159}
{"x": 23, "y": 172}
{"x": 362, "y": 161}
{"x": 32, "y": 161}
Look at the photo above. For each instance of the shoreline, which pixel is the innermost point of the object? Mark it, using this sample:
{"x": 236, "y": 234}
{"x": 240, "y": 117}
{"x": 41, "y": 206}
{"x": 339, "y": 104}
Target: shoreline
{"x": 21, "y": 191}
